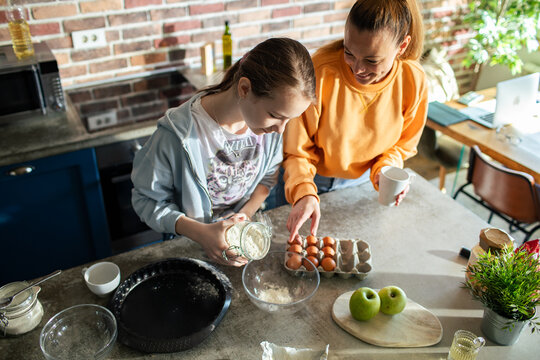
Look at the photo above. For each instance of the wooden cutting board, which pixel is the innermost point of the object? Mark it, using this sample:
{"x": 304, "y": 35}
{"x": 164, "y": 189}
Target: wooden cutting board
{"x": 415, "y": 326}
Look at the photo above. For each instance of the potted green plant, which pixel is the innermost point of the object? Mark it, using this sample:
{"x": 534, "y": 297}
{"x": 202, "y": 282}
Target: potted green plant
{"x": 501, "y": 29}
{"x": 508, "y": 285}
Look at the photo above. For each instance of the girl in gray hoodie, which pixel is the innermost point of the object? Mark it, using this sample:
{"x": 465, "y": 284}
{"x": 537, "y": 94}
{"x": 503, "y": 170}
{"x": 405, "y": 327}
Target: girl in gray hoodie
{"x": 213, "y": 160}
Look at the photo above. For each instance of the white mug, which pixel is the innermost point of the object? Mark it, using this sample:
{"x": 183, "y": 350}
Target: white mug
{"x": 102, "y": 278}
{"x": 392, "y": 181}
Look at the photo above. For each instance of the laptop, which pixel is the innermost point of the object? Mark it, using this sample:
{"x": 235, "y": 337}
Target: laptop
{"x": 515, "y": 99}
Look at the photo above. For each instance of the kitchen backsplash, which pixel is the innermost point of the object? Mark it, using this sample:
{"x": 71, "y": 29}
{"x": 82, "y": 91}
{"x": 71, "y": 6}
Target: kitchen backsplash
{"x": 145, "y": 35}
{"x": 132, "y": 100}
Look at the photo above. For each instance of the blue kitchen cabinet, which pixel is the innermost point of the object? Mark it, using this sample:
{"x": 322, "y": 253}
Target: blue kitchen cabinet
{"x": 51, "y": 216}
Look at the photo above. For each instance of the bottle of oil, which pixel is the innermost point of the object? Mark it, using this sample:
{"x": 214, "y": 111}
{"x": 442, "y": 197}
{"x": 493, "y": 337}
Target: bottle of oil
{"x": 19, "y": 31}
{"x": 227, "y": 47}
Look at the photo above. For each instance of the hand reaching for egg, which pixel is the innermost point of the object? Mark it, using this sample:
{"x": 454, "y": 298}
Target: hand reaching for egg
{"x": 306, "y": 208}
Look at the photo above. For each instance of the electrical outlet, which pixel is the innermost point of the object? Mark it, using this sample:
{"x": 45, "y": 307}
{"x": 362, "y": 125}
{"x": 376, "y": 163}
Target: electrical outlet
{"x": 102, "y": 120}
{"x": 85, "y": 39}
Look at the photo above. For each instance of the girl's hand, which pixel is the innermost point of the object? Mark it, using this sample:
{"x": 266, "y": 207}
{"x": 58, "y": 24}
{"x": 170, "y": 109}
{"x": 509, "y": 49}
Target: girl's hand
{"x": 307, "y": 207}
{"x": 212, "y": 239}
{"x": 231, "y": 256}
{"x": 401, "y": 195}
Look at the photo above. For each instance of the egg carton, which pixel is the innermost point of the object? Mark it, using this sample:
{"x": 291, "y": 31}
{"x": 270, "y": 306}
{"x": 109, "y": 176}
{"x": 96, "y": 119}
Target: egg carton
{"x": 352, "y": 258}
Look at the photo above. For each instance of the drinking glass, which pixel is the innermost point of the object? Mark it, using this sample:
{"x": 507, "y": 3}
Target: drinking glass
{"x": 465, "y": 346}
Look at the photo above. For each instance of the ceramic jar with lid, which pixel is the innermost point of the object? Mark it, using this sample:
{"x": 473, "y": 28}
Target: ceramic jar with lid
{"x": 25, "y": 311}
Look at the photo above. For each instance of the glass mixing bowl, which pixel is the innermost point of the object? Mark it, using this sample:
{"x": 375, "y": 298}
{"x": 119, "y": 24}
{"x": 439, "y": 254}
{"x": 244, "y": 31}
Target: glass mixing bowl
{"x": 84, "y": 331}
{"x": 274, "y": 288}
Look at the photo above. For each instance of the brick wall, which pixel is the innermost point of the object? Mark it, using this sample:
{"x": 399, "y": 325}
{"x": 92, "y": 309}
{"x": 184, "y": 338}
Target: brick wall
{"x": 144, "y": 35}
{"x": 132, "y": 100}
{"x": 444, "y": 30}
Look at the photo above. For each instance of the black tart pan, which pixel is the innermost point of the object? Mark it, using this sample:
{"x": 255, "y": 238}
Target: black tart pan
{"x": 170, "y": 305}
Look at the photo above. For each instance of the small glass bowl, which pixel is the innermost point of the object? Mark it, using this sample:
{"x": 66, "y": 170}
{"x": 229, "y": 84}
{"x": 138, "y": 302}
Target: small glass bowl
{"x": 272, "y": 288}
{"x": 86, "y": 331}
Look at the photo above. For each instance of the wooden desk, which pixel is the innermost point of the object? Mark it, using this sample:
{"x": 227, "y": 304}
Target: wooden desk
{"x": 414, "y": 246}
{"x": 471, "y": 133}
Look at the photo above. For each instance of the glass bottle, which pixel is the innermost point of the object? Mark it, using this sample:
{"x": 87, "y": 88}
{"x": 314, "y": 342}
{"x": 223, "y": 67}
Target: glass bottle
{"x": 251, "y": 239}
{"x": 227, "y": 46}
{"x": 25, "y": 311}
{"x": 19, "y": 31}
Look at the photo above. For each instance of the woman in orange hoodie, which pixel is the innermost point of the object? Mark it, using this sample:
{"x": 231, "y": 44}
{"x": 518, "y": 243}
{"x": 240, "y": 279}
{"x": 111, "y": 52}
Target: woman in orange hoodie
{"x": 370, "y": 111}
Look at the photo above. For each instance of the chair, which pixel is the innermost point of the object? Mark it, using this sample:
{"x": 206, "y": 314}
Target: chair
{"x": 510, "y": 194}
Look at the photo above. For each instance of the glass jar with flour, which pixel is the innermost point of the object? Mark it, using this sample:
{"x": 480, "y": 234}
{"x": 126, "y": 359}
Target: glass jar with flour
{"x": 25, "y": 311}
{"x": 251, "y": 239}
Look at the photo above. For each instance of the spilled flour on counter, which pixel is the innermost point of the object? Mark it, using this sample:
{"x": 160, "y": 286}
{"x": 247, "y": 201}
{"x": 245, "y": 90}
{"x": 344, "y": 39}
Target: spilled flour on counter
{"x": 276, "y": 295}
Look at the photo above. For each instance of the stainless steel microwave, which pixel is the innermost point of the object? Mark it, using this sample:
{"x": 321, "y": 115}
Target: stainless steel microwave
{"x": 30, "y": 85}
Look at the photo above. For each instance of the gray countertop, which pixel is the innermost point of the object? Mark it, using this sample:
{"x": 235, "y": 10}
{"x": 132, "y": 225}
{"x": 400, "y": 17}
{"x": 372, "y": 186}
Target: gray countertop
{"x": 414, "y": 246}
{"x": 32, "y": 137}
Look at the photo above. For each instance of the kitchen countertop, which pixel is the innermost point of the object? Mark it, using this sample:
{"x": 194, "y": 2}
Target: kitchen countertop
{"x": 415, "y": 246}
{"x": 33, "y": 137}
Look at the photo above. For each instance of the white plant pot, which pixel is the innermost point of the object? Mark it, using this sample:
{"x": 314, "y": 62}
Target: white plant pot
{"x": 492, "y": 327}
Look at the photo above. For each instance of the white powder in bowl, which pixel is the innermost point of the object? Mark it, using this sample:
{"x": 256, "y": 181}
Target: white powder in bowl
{"x": 275, "y": 294}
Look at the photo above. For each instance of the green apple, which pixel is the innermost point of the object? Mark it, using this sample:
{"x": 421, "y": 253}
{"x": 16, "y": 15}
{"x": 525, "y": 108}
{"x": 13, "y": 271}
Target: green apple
{"x": 364, "y": 304}
{"x": 393, "y": 300}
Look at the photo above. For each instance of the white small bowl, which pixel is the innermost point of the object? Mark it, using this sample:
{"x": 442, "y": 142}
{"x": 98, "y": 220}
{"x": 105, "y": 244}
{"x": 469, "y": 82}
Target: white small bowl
{"x": 102, "y": 278}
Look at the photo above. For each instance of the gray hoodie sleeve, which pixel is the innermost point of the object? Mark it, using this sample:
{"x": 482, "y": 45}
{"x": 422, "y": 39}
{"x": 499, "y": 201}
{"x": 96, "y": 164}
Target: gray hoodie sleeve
{"x": 153, "y": 193}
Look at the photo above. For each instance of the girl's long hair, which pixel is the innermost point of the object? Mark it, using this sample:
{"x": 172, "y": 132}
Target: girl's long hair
{"x": 273, "y": 64}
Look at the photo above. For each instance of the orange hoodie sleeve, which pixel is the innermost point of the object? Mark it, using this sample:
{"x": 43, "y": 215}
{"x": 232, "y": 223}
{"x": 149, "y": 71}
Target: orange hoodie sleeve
{"x": 300, "y": 156}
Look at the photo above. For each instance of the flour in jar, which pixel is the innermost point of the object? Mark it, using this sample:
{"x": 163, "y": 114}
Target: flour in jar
{"x": 252, "y": 239}
{"x": 275, "y": 294}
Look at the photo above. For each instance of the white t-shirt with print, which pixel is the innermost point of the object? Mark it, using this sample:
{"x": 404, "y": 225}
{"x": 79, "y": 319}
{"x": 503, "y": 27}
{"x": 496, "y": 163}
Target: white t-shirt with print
{"x": 232, "y": 160}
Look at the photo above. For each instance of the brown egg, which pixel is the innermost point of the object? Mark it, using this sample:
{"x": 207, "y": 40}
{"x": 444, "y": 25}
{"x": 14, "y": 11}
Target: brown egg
{"x": 295, "y": 248}
{"x": 307, "y": 265}
{"x": 312, "y": 241}
{"x": 312, "y": 250}
{"x": 328, "y": 251}
{"x": 329, "y": 241}
{"x": 294, "y": 262}
{"x": 328, "y": 264}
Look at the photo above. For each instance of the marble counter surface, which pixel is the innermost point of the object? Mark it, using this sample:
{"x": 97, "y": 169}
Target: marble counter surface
{"x": 414, "y": 246}
{"x": 33, "y": 137}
